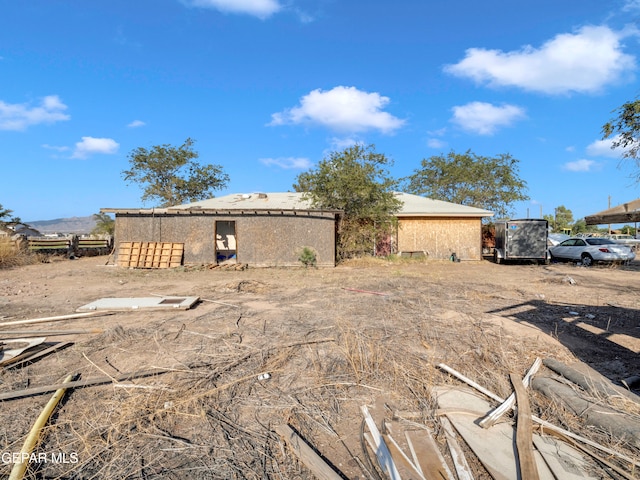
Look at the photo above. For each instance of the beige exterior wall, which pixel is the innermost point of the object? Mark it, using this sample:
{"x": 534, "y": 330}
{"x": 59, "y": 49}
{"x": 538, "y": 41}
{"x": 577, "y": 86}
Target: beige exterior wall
{"x": 260, "y": 240}
{"x": 439, "y": 237}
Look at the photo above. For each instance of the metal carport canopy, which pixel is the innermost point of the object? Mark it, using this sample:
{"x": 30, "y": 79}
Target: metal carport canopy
{"x": 624, "y": 213}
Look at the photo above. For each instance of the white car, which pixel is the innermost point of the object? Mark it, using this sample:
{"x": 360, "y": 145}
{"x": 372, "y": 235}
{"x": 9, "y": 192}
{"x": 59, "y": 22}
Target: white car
{"x": 592, "y": 249}
{"x": 554, "y": 239}
{"x": 624, "y": 239}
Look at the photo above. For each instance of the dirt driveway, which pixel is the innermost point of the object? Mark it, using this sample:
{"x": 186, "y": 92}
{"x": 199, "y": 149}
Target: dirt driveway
{"x": 330, "y": 340}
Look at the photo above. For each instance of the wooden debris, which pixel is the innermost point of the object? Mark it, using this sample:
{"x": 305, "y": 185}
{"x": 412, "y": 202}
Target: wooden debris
{"x": 614, "y": 422}
{"x": 48, "y": 333}
{"x": 150, "y": 254}
{"x": 547, "y": 425}
{"x": 380, "y": 447}
{"x": 32, "y": 355}
{"x": 307, "y": 455}
{"x": 524, "y": 431}
{"x": 20, "y": 467}
{"x": 400, "y": 457}
{"x": 508, "y": 404}
{"x": 55, "y": 319}
{"x": 78, "y": 383}
{"x": 430, "y": 460}
{"x": 6, "y": 355}
{"x": 463, "y": 470}
{"x": 228, "y": 266}
{"x": 590, "y": 380}
{"x": 496, "y": 447}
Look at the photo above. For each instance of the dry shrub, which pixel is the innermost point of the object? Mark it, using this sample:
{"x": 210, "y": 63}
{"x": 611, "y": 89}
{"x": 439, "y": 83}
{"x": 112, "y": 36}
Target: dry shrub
{"x": 11, "y": 256}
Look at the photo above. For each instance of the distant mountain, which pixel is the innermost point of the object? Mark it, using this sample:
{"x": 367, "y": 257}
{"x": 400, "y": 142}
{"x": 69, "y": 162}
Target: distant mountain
{"x": 76, "y": 225}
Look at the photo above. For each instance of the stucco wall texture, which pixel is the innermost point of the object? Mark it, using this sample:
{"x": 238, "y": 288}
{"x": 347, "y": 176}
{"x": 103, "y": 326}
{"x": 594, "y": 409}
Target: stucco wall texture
{"x": 262, "y": 240}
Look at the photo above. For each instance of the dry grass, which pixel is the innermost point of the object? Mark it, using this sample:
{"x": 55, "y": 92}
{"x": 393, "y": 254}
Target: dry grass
{"x": 328, "y": 351}
{"x": 10, "y": 256}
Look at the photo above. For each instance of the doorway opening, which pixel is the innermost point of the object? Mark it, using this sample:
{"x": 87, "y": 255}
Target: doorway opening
{"x": 226, "y": 247}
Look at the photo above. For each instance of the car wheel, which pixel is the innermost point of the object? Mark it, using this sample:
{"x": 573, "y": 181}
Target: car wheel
{"x": 587, "y": 260}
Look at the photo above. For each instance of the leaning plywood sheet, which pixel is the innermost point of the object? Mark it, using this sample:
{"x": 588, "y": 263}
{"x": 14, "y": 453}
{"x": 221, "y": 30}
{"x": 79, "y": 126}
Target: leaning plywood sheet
{"x": 495, "y": 447}
{"x": 150, "y": 254}
{"x": 141, "y": 303}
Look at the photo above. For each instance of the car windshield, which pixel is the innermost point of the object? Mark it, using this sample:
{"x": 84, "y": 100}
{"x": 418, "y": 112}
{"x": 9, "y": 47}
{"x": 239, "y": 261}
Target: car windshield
{"x": 599, "y": 241}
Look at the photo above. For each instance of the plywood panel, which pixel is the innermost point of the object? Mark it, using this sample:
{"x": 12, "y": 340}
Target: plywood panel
{"x": 150, "y": 254}
{"x": 440, "y": 237}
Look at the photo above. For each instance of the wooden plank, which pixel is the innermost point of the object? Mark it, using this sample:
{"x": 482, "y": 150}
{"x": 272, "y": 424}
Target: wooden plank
{"x": 463, "y": 470}
{"x": 508, "y": 404}
{"x": 524, "y": 431}
{"x": 307, "y": 455}
{"x": 46, "y": 333}
{"x": 150, "y": 254}
{"x": 35, "y": 355}
{"x": 53, "y": 319}
{"x": 401, "y": 457}
{"x": 27, "y": 392}
{"x": 430, "y": 460}
{"x": 381, "y": 449}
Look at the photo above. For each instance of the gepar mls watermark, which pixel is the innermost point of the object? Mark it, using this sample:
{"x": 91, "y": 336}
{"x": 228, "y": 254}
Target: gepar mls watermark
{"x": 39, "y": 457}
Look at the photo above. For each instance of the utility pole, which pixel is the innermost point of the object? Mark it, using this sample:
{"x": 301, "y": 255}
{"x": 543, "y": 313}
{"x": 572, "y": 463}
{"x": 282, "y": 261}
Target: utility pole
{"x": 609, "y": 207}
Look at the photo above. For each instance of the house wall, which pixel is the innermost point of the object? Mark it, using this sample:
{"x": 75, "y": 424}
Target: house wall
{"x": 439, "y": 237}
{"x": 262, "y": 240}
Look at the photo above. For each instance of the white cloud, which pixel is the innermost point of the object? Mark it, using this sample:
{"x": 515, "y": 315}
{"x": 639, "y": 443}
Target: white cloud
{"x": 484, "y": 118}
{"x": 338, "y": 144}
{"x": 288, "y": 163}
{"x": 20, "y": 116}
{"x": 436, "y": 143}
{"x": 602, "y": 148}
{"x": 580, "y": 166}
{"x": 258, "y": 8}
{"x": 583, "y": 62}
{"x": 54, "y": 147}
{"x": 91, "y": 145}
{"x": 136, "y": 124}
{"x": 631, "y": 6}
{"x": 343, "y": 109}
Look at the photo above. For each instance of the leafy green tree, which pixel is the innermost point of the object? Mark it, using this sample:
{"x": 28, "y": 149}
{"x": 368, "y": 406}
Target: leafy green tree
{"x": 171, "y": 176}
{"x": 625, "y": 130}
{"x": 580, "y": 226}
{"x": 629, "y": 230}
{"x": 105, "y": 225}
{"x": 561, "y": 219}
{"x": 6, "y": 218}
{"x": 491, "y": 183}
{"x": 356, "y": 181}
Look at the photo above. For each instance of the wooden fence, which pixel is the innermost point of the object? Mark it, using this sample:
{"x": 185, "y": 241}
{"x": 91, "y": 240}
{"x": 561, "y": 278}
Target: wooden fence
{"x": 70, "y": 246}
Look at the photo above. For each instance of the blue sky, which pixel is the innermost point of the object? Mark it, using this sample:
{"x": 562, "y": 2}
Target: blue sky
{"x": 267, "y": 88}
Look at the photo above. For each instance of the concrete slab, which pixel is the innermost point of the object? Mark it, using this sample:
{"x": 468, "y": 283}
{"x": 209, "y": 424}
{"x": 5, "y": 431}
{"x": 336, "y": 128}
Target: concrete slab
{"x": 140, "y": 303}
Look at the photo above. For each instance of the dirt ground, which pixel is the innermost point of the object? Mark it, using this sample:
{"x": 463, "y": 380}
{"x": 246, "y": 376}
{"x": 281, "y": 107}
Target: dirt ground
{"x": 330, "y": 340}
